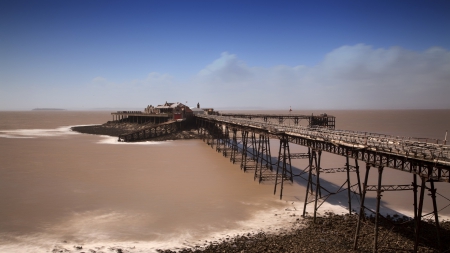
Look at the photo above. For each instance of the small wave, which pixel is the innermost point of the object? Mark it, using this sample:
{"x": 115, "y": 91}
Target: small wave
{"x": 88, "y": 230}
{"x": 114, "y": 140}
{"x": 36, "y": 133}
{"x": 67, "y": 130}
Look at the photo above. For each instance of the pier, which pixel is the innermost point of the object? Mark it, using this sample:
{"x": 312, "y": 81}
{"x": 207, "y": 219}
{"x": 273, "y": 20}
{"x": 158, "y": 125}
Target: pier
{"x": 245, "y": 140}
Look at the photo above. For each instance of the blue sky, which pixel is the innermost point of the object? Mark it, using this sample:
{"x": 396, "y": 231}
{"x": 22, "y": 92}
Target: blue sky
{"x": 234, "y": 54}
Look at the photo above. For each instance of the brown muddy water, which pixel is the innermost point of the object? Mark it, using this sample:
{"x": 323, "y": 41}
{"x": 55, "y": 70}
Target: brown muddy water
{"x": 59, "y": 189}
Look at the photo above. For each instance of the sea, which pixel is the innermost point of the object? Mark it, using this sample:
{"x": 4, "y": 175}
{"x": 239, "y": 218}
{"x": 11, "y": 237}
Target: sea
{"x": 62, "y": 191}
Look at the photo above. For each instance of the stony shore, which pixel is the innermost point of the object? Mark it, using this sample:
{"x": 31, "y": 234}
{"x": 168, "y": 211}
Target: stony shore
{"x": 331, "y": 233}
{"x": 115, "y": 129}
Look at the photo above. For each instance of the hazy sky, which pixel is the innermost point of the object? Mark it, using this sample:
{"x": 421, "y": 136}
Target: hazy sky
{"x": 88, "y": 54}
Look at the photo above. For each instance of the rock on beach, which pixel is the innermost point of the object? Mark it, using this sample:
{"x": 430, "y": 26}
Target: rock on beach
{"x": 115, "y": 129}
{"x": 331, "y": 233}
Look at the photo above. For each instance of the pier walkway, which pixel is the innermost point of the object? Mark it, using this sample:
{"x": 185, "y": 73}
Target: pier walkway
{"x": 323, "y": 120}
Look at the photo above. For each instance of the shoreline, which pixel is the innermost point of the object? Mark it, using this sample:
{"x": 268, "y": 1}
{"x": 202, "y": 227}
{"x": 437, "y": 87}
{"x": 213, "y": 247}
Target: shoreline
{"x": 331, "y": 233}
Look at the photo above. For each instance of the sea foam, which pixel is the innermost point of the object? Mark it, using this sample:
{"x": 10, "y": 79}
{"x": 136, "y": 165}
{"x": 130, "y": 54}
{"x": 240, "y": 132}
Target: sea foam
{"x": 66, "y": 130}
{"x": 114, "y": 140}
{"x": 36, "y": 133}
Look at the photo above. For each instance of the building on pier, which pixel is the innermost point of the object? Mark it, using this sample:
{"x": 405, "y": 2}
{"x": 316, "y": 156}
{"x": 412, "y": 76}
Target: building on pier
{"x": 156, "y": 115}
{"x": 175, "y": 110}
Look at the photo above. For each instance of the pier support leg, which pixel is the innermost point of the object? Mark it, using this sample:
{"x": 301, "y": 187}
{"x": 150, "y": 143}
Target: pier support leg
{"x": 349, "y": 196}
{"x": 254, "y": 147}
{"x": 419, "y": 214}
{"x": 264, "y": 161}
{"x": 435, "y": 211}
{"x": 317, "y": 184}
{"x": 361, "y": 207}
{"x": 278, "y": 169}
{"x": 283, "y": 173}
{"x": 244, "y": 150}
{"x": 288, "y": 162}
{"x": 284, "y": 161}
{"x": 311, "y": 153}
{"x": 234, "y": 146}
{"x": 227, "y": 142}
{"x": 377, "y": 214}
{"x": 358, "y": 179}
{"x": 260, "y": 157}
{"x": 211, "y": 132}
{"x": 415, "y": 186}
{"x": 265, "y": 156}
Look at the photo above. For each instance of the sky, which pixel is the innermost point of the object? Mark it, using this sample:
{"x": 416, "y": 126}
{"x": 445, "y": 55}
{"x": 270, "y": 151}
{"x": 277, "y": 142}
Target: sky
{"x": 95, "y": 54}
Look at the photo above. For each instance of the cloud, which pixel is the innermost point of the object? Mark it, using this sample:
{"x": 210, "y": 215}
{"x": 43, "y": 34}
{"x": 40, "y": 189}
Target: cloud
{"x": 362, "y": 62}
{"x": 155, "y": 79}
{"x": 99, "y": 80}
{"x": 227, "y": 69}
{"x": 349, "y": 77}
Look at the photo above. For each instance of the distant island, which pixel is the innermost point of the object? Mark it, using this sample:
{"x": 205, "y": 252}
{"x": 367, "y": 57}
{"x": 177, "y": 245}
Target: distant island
{"x": 48, "y": 109}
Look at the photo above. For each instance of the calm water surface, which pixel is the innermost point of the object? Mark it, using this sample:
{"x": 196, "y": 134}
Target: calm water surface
{"x": 59, "y": 189}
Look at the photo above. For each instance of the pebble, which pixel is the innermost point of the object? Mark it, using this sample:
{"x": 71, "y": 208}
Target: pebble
{"x": 332, "y": 233}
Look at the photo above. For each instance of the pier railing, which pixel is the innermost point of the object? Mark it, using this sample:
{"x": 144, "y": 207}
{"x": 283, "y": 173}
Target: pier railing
{"x": 431, "y": 150}
{"x": 322, "y": 120}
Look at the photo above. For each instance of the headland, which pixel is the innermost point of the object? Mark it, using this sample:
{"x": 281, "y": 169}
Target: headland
{"x": 128, "y": 122}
